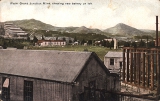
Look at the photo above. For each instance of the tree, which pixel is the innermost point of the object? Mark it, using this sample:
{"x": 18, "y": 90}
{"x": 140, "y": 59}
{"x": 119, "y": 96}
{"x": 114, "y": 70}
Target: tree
{"x": 43, "y": 37}
{"x": 28, "y": 38}
{"x": 64, "y": 39}
{"x": 35, "y": 39}
{"x": 56, "y": 38}
{"x": 151, "y": 44}
{"x": 89, "y": 42}
{"x": 75, "y": 39}
{"x": 4, "y": 45}
{"x": 82, "y": 42}
{"x": 134, "y": 44}
{"x": 107, "y": 44}
{"x": 127, "y": 44}
{"x": 112, "y": 43}
{"x": 142, "y": 43}
{"x": 104, "y": 43}
{"x": 70, "y": 41}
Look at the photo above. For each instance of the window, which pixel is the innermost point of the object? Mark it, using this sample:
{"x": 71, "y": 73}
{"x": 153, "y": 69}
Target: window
{"x": 5, "y": 89}
{"x": 111, "y": 61}
{"x": 28, "y": 90}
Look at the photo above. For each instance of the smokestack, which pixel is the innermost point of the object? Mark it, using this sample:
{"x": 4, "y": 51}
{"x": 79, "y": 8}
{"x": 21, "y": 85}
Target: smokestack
{"x": 157, "y": 31}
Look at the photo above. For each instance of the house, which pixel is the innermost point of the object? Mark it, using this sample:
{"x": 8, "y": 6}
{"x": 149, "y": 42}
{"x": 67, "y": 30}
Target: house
{"x": 51, "y": 43}
{"x": 47, "y": 75}
{"x": 113, "y": 61}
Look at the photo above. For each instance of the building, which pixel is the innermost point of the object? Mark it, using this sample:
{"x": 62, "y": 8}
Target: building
{"x": 51, "y": 43}
{"x": 12, "y": 30}
{"x": 45, "y": 75}
{"x": 113, "y": 61}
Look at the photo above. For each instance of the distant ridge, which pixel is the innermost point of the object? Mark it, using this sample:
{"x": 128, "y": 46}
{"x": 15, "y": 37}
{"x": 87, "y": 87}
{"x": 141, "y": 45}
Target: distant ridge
{"x": 84, "y": 29}
{"x": 32, "y": 23}
{"x": 123, "y": 29}
{"x": 119, "y": 29}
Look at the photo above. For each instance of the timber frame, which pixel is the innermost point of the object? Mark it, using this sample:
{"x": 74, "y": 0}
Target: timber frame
{"x": 141, "y": 67}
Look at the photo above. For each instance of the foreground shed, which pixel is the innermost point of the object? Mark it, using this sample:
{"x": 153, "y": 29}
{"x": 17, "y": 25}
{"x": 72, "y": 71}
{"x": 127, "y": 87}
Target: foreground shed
{"x": 44, "y": 75}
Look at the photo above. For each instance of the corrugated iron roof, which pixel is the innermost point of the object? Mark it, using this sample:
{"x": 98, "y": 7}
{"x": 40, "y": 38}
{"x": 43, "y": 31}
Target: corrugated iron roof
{"x": 114, "y": 54}
{"x": 44, "y": 64}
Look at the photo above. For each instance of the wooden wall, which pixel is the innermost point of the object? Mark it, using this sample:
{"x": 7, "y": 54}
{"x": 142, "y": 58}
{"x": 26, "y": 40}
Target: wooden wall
{"x": 93, "y": 72}
{"x": 42, "y": 90}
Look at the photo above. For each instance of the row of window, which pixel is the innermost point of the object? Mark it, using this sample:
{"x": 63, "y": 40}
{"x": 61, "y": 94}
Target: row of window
{"x": 28, "y": 90}
{"x": 55, "y": 43}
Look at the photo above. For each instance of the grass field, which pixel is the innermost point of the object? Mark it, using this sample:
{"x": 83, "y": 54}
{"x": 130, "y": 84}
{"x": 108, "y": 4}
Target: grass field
{"x": 100, "y": 51}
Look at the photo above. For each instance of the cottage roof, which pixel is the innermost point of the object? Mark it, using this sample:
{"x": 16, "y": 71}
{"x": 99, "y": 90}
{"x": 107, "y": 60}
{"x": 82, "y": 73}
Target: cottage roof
{"x": 44, "y": 64}
{"x": 114, "y": 54}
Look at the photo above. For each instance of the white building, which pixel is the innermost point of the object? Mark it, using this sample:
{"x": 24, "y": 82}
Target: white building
{"x": 51, "y": 43}
{"x": 12, "y": 30}
{"x": 113, "y": 61}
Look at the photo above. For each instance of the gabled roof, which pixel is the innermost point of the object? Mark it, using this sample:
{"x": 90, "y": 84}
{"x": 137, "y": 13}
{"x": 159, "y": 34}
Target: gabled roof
{"x": 114, "y": 54}
{"x": 44, "y": 64}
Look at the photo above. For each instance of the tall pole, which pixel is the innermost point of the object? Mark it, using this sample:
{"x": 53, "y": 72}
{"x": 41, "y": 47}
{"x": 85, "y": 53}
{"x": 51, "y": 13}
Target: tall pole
{"x": 158, "y": 68}
{"x": 157, "y": 31}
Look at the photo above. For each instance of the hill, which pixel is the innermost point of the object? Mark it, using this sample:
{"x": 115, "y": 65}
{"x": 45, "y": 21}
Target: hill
{"x": 85, "y": 30}
{"x": 32, "y": 24}
{"x": 123, "y": 29}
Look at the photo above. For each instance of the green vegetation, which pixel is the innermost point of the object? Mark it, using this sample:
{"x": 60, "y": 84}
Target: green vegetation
{"x": 76, "y": 36}
{"x": 81, "y": 36}
{"x": 143, "y": 37}
{"x": 100, "y": 51}
{"x": 19, "y": 44}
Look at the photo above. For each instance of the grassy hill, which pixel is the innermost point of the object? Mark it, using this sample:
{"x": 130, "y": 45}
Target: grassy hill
{"x": 31, "y": 24}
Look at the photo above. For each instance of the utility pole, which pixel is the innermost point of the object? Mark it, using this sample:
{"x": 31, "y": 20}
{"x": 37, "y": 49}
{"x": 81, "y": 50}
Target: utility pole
{"x": 157, "y": 56}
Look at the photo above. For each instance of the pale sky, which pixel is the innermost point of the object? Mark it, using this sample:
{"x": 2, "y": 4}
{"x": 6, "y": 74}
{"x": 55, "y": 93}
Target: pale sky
{"x": 100, "y": 14}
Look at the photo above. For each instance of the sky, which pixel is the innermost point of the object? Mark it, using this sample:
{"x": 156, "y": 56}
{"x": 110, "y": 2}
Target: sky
{"x": 101, "y": 14}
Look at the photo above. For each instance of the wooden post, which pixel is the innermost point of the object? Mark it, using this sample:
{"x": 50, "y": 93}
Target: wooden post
{"x": 143, "y": 66}
{"x": 158, "y": 73}
{"x": 138, "y": 67}
{"x": 152, "y": 69}
{"x": 128, "y": 65}
{"x": 135, "y": 61}
{"x": 124, "y": 65}
{"x": 147, "y": 69}
{"x": 131, "y": 66}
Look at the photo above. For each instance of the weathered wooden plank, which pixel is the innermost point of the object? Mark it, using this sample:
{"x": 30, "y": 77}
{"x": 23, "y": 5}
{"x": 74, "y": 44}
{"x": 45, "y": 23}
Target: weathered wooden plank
{"x": 135, "y": 67}
{"x": 124, "y": 64}
{"x": 13, "y": 89}
{"x": 131, "y": 66}
{"x": 128, "y": 65}
{"x": 19, "y": 88}
{"x": 152, "y": 70}
{"x": 143, "y": 70}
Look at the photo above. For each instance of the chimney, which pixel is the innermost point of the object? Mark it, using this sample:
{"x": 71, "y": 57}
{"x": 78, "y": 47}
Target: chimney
{"x": 157, "y": 31}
